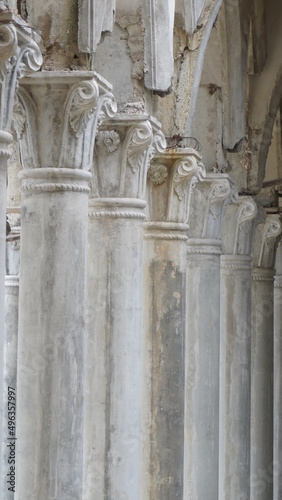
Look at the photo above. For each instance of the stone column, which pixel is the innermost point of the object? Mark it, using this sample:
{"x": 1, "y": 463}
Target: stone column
{"x": 203, "y": 337}
{"x": 277, "y": 393}
{"x": 171, "y": 178}
{"x": 51, "y": 349}
{"x": 18, "y": 53}
{"x": 262, "y": 359}
{"x": 113, "y": 437}
{"x": 235, "y": 351}
{"x": 12, "y": 306}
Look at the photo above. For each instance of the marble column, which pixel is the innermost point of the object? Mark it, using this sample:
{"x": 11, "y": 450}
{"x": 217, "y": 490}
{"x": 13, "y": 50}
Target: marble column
{"x": 18, "y": 54}
{"x": 113, "y": 433}
{"x": 277, "y": 392}
{"x": 203, "y": 337}
{"x": 235, "y": 351}
{"x": 171, "y": 179}
{"x": 65, "y": 108}
{"x": 262, "y": 359}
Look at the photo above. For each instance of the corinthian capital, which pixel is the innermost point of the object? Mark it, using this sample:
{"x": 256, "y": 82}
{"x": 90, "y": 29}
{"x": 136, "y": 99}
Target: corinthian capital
{"x": 238, "y": 226}
{"x": 266, "y": 234}
{"x": 124, "y": 147}
{"x": 208, "y": 205}
{"x": 19, "y": 54}
{"x": 171, "y": 178}
{"x": 63, "y": 109}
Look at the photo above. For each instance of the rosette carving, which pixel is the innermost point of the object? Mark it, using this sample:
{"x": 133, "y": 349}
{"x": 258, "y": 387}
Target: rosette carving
{"x": 108, "y": 141}
{"x": 157, "y": 173}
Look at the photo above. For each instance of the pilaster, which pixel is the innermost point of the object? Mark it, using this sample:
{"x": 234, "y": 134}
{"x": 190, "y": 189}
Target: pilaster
{"x": 210, "y": 199}
{"x": 235, "y": 350}
{"x": 55, "y": 118}
{"x": 172, "y": 177}
{"x": 113, "y": 434}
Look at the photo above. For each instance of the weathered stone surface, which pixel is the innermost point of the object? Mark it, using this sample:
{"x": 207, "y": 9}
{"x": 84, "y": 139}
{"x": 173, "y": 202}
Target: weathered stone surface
{"x": 235, "y": 351}
{"x": 114, "y": 364}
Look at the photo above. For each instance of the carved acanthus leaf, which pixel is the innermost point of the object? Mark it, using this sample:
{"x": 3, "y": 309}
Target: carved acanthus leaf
{"x": 157, "y": 173}
{"x": 185, "y": 170}
{"x": 272, "y": 229}
{"x": 218, "y": 193}
{"x": 19, "y": 119}
{"x": 246, "y": 213}
{"x": 141, "y": 137}
{"x": 107, "y": 107}
{"x": 19, "y": 54}
{"x": 8, "y": 42}
{"x": 81, "y": 104}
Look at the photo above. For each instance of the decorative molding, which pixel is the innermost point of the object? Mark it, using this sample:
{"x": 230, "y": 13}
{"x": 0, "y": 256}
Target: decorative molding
{"x": 202, "y": 246}
{"x": 257, "y": 277}
{"x": 19, "y": 55}
{"x": 108, "y": 140}
{"x": 116, "y": 214}
{"x": 52, "y": 187}
{"x": 165, "y": 236}
{"x": 235, "y": 266}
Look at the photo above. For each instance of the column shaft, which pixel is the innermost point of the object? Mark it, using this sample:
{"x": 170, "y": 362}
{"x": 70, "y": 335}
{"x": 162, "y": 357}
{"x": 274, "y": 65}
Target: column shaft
{"x": 235, "y": 358}
{"x": 113, "y": 354}
{"x": 51, "y": 334}
{"x": 202, "y": 372}
{"x": 165, "y": 268}
{"x": 262, "y": 385}
{"x": 277, "y": 460}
